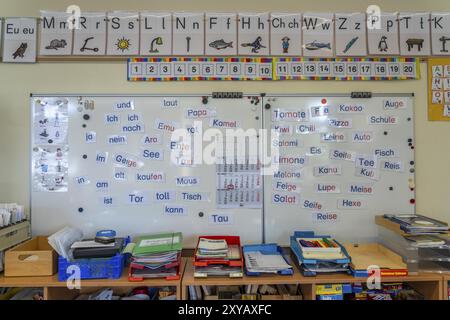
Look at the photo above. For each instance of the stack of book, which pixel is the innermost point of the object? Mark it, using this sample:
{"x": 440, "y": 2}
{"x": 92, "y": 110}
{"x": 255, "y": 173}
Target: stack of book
{"x": 156, "y": 256}
{"x": 416, "y": 224}
{"x": 319, "y": 254}
{"x": 218, "y": 256}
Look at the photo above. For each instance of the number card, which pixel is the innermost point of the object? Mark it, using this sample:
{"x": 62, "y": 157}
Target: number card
{"x": 171, "y": 69}
{"x": 346, "y": 69}
{"x": 439, "y": 89}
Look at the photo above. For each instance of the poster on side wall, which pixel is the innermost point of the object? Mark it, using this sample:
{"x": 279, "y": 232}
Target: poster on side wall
{"x": 351, "y": 37}
{"x": 253, "y": 34}
{"x": 123, "y": 34}
{"x": 90, "y": 37}
{"x": 188, "y": 33}
{"x": 382, "y": 36}
{"x": 318, "y": 34}
{"x": 156, "y": 33}
{"x": 440, "y": 33}
{"x": 414, "y": 34}
{"x": 221, "y": 34}
{"x": 56, "y": 36}
{"x": 285, "y": 34}
{"x": 439, "y": 89}
{"x": 19, "y": 40}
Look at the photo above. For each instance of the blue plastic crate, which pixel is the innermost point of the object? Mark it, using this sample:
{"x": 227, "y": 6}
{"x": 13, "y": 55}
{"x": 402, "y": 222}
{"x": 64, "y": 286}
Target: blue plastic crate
{"x": 95, "y": 268}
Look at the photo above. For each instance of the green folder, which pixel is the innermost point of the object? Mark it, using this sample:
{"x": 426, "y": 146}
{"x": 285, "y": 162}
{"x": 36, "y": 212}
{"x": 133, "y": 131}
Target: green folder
{"x": 158, "y": 243}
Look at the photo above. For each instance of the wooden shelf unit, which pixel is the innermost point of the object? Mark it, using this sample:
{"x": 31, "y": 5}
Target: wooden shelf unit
{"x": 57, "y": 290}
{"x": 430, "y": 285}
{"x": 445, "y": 288}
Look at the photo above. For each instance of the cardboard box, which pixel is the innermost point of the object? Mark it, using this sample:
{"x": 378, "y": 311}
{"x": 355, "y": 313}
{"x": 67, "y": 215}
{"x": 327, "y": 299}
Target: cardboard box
{"x": 34, "y": 257}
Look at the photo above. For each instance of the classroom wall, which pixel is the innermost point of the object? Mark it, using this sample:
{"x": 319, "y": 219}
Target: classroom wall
{"x": 18, "y": 81}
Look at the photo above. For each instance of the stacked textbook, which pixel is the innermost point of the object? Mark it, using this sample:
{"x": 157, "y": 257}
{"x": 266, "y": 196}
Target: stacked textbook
{"x": 156, "y": 256}
{"x": 319, "y": 254}
{"x": 218, "y": 256}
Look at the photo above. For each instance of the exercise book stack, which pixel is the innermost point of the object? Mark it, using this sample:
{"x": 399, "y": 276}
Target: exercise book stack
{"x": 218, "y": 256}
{"x": 319, "y": 254}
{"x": 156, "y": 256}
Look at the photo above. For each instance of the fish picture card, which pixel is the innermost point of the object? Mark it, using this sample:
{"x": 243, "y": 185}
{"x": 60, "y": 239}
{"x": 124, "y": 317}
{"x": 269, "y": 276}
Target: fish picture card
{"x": 414, "y": 34}
{"x": 90, "y": 38}
{"x": 19, "y": 40}
{"x": 383, "y": 40}
{"x": 285, "y": 34}
{"x": 440, "y": 33}
{"x": 123, "y": 34}
{"x": 56, "y": 37}
{"x": 221, "y": 34}
{"x": 351, "y": 39}
{"x": 253, "y": 34}
{"x": 318, "y": 34}
{"x": 156, "y": 33}
{"x": 188, "y": 34}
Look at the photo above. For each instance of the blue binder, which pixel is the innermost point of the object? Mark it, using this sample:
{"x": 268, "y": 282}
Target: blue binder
{"x": 271, "y": 248}
{"x": 295, "y": 247}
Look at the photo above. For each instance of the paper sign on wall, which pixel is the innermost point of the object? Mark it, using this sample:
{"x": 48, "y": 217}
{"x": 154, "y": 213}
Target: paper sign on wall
{"x": 286, "y": 34}
{"x": 188, "y": 34}
{"x": 90, "y": 38}
{"x": 439, "y": 89}
{"x": 318, "y": 33}
{"x": 253, "y": 31}
{"x": 19, "y": 36}
{"x": 56, "y": 36}
{"x": 123, "y": 33}
{"x": 156, "y": 33}
{"x": 351, "y": 34}
{"x": 221, "y": 34}
{"x": 414, "y": 34}
{"x": 383, "y": 40}
{"x": 440, "y": 34}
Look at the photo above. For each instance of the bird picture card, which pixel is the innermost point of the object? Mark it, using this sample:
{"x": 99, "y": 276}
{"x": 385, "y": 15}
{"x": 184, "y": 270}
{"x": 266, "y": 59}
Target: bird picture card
{"x": 19, "y": 40}
{"x": 382, "y": 36}
{"x": 90, "y": 36}
{"x": 318, "y": 34}
{"x": 56, "y": 37}
{"x": 221, "y": 34}
{"x": 188, "y": 34}
{"x": 123, "y": 34}
{"x": 253, "y": 30}
{"x": 285, "y": 34}
{"x": 440, "y": 33}
{"x": 156, "y": 33}
{"x": 415, "y": 37}
{"x": 351, "y": 34}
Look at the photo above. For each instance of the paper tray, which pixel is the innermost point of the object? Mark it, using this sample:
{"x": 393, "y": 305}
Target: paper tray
{"x": 365, "y": 255}
{"x": 137, "y": 279}
{"x": 267, "y": 249}
{"x": 231, "y": 240}
{"x": 310, "y": 234}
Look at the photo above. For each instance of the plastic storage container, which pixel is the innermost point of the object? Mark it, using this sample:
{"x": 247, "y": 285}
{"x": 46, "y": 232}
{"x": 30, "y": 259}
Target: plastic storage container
{"x": 95, "y": 268}
{"x": 434, "y": 260}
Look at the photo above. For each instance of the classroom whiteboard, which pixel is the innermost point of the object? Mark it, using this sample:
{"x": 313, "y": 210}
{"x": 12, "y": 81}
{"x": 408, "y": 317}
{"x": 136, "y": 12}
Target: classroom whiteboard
{"x": 77, "y": 178}
{"x": 86, "y": 204}
{"x": 333, "y": 193}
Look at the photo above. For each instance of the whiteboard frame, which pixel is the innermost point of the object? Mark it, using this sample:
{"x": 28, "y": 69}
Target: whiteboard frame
{"x": 263, "y": 96}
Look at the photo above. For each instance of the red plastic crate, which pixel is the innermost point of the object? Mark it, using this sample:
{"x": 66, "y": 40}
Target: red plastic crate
{"x": 231, "y": 240}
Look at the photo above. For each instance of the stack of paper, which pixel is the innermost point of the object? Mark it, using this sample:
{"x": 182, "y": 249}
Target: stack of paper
{"x": 217, "y": 257}
{"x": 156, "y": 256}
{"x": 255, "y": 261}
